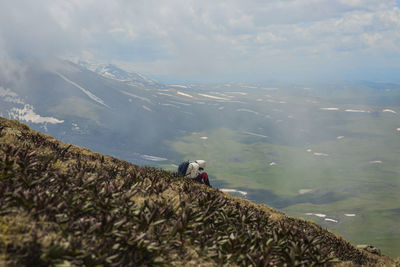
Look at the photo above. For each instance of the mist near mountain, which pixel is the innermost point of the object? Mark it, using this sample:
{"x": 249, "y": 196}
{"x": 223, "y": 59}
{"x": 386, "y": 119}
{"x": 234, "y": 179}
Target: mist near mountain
{"x": 329, "y": 149}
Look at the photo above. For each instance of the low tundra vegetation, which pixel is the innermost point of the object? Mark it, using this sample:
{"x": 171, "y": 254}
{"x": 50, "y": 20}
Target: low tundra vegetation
{"x": 64, "y": 205}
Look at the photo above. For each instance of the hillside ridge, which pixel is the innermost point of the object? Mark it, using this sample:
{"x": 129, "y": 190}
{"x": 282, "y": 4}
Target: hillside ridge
{"x": 65, "y": 205}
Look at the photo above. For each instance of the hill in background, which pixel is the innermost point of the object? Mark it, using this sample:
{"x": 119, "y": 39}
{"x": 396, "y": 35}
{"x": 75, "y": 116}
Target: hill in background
{"x": 61, "y": 204}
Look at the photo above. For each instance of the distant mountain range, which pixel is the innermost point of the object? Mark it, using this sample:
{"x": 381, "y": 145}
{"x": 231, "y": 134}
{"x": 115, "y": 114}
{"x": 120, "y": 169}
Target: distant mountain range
{"x": 108, "y": 109}
{"x": 113, "y": 72}
{"x": 99, "y": 106}
{"x": 129, "y": 115}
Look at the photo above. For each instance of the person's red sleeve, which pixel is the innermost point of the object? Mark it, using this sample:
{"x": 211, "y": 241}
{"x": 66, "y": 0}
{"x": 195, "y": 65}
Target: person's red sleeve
{"x": 205, "y": 179}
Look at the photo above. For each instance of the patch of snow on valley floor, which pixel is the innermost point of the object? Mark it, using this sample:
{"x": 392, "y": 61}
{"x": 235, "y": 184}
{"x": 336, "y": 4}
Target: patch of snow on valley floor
{"x": 184, "y": 94}
{"x": 247, "y": 110}
{"x": 357, "y": 111}
{"x": 320, "y": 215}
{"x": 375, "y": 161}
{"x": 255, "y": 134}
{"x": 180, "y": 103}
{"x": 204, "y": 137}
{"x": 237, "y": 93}
{"x": 153, "y": 158}
{"x": 178, "y": 85}
{"x": 331, "y": 220}
{"x": 321, "y": 154}
{"x": 273, "y": 164}
{"x": 170, "y": 105}
{"x": 248, "y": 86}
{"x": 228, "y": 190}
{"x": 214, "y": 97}
{"x": 389, "y": 110}
{"x": 146, "y": 108}
{"x": 305, "y": 191}
{"x": 165, "y": 94}
{"x": 340, "y": 137}
{"x": 332, "y": 109}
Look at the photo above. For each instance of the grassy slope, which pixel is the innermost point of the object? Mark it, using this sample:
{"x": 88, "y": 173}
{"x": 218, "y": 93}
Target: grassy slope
{"x": 367, "y": 189}
{"x": 61, "y": 204}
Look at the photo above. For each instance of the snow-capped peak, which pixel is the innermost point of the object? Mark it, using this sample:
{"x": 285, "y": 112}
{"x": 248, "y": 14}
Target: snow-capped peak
{"x": 113, "y": 72}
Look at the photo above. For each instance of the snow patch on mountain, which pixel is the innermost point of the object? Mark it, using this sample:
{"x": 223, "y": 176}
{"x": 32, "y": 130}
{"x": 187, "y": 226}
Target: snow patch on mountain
{"x": 85, "y": 91}
{"x": 255, "y": 134}
{"x": 136, "y": 96}
{"x": 75, "y": 127}
{"x": 10, "y": 96}
{"x": 180, "y": 103}
{"x": 183, "y": 94}
{"x": 165, "y": 94}
{"x": 179, "y": 85}
{"x": 170, "y": 105}
{"x": 214, "y": 97}
{"x": 111, "y": 71}
{"x": 27, "y": 113}
{"x": 146, "y": 108}
{"x": 247, "y": 110}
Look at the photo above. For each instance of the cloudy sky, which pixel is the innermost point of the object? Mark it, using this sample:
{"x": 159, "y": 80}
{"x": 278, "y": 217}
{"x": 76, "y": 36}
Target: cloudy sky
{"x": 207, "y": 40}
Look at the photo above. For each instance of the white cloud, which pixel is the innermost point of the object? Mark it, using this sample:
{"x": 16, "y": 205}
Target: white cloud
{"x": 227, "y": 38}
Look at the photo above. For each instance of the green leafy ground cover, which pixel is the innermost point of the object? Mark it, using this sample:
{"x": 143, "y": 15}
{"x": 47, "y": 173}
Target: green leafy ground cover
{"x": 343, "y": 182}
{"x": 64, "y": 205}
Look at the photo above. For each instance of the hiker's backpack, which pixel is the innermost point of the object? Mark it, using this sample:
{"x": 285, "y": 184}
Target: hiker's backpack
{"x": 182, "y": 168}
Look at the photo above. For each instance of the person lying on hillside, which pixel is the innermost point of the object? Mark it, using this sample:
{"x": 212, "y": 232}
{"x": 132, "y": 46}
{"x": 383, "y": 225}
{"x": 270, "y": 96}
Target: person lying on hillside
{"x": 195, "y": 171}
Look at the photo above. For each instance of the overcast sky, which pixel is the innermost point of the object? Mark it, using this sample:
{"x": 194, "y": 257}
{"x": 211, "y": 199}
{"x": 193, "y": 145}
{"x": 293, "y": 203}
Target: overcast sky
{"x": 207, "y": 40}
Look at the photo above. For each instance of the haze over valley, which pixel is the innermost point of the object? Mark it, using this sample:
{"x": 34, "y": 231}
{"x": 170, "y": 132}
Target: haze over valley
{"x": 324, "y": 152}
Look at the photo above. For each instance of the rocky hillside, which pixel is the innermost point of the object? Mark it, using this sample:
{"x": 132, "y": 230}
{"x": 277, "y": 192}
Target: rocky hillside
{"x": 65, "y": 205}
